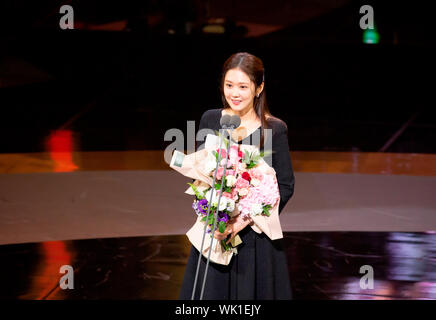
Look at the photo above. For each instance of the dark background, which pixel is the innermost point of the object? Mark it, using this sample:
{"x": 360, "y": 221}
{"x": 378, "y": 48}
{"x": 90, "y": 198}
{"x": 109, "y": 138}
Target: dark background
{"x": 122, "y": 88}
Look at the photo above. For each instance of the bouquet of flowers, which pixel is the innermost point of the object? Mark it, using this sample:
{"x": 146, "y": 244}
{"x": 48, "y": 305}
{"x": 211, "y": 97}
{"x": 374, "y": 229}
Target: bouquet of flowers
{"x": 244, "y": 186}
{"x": 248, "y": 186}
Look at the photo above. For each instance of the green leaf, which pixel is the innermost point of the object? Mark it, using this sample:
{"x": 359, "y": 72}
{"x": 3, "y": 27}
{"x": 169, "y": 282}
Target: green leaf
{"x": 218, "y": 186}
{"x": 226, "y": 143}
{"x": 267, "y": 153}
{"x": 216, "y": 155}
{"x": 264, "y": 154}
{"x": 225, "y": 245}
{"x": 251, "y": 165}
{"x": 222, "y": 226}
{"x": 198, "y": 194}
{"x": 266, "y": 210}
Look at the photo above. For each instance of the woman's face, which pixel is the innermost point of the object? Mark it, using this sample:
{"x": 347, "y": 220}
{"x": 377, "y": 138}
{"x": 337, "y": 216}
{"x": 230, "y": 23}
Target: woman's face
{"x": 239, "y": 90}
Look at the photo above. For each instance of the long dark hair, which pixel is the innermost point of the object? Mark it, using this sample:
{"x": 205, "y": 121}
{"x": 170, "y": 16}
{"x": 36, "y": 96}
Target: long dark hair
{"x": 253, "y": 67}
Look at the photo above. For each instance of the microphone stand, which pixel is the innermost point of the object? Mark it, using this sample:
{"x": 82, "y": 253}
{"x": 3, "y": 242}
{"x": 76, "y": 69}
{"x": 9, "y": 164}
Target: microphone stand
{"x": 216, "y": 213}
{"x": 207, "y": 216}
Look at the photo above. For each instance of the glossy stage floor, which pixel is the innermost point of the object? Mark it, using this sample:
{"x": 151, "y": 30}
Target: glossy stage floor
{"x": 119, "y": 218}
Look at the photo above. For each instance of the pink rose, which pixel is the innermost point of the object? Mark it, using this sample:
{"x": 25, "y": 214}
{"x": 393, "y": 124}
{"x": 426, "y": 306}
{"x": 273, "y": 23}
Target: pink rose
{"x": 230, "y": 172}
{"x": 229, "y": 163}
{"x": 223, "y": 153}
{"x": 220, "y": 173}
{"x": 228, "y": 195}
{"x": 242, "y": 183}
{"x": 234, "y": 153}
{"x": 235, "y": 193}
{"x": 256, "y": 174}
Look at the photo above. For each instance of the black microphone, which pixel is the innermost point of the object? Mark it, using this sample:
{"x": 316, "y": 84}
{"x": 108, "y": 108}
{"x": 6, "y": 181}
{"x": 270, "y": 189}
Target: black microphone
{"x": 225, "y": 121}
{"x": 235, "y": 121}
{"x": 230, "y": 122}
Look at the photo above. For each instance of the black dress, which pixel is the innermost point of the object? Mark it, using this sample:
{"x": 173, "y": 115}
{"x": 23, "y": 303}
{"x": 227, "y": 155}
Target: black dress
{"x": 260, "y": 270}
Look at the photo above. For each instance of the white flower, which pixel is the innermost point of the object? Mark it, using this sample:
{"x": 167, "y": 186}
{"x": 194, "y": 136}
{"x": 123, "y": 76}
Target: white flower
{"x": 230, "y": 181}
{"x": 223, "y": 203}
{"x": 223, "y": 200}
{"x": 230, "y": 205}
{"x": 255, "y": 182}
{"x": 243, "y": 192}
{"x": 256, "y": 209}
{"x": 207, "y": 196}
{"x": 210, "y": 163}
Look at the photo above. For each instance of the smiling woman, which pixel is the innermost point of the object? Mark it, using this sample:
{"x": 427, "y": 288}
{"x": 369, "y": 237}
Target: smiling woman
{"x": 242, "y": 93}
{"x": 259, "y": 270}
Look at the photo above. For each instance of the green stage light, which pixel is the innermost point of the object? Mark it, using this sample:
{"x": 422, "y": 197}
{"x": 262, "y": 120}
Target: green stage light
{"x": 371, "y": 36}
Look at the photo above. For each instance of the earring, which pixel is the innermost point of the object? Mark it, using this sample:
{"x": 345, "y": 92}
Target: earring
{"x": 257, "y": 95}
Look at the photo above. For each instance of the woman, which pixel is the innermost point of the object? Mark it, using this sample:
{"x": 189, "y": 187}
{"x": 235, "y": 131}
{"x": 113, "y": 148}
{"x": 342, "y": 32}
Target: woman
{"x": 259, "y": 270}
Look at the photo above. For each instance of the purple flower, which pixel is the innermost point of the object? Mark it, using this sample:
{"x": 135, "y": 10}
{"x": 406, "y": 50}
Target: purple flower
{"x": 223, "y": 216}
{"x": 202, "y": 206}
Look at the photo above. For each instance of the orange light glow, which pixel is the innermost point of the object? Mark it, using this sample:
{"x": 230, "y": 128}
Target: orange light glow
{"x": 45, "y": 282}
{"x": 60, "y": 146}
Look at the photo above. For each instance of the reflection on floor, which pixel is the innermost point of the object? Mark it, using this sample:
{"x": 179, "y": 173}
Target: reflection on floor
{"x": 322, "y": 265}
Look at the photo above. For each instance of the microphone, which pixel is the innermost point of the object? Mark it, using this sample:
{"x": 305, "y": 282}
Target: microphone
{"x": 235, "y": 122}
{"x": 230, "y": 122}
{"x": 225, "y": 121}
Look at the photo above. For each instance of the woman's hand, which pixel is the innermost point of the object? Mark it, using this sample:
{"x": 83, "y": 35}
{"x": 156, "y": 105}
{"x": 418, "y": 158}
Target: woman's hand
{"x": 222, "y": 236}
{"x": 234, "y": 226}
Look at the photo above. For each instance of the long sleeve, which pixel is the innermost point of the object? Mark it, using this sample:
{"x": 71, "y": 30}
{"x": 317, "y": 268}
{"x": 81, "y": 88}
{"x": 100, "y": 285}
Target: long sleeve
{"x": 281, "y": 162}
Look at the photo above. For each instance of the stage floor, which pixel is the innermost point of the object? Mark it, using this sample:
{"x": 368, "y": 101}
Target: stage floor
{"x": 55, "y": 196}
{"x": 108, "y": 216}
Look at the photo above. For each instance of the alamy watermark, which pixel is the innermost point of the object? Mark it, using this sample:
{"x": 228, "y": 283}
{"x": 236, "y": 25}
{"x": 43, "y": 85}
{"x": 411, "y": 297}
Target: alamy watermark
{"x": 367, "y": 280}
{"x": 367, "y": 20}
{"x": 67, "y": 20}
{"x": 67, "y": 280}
